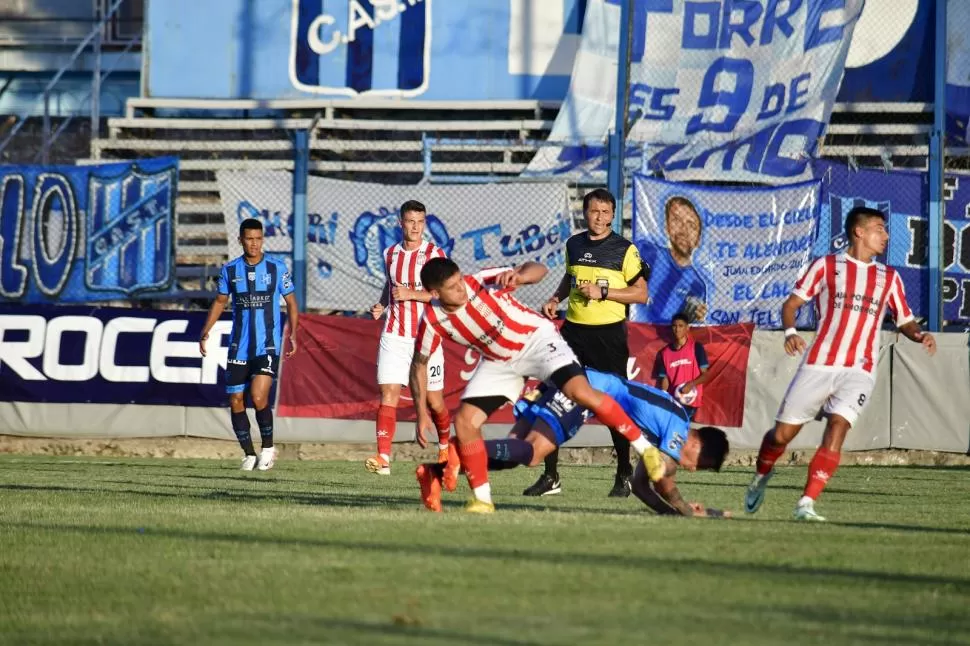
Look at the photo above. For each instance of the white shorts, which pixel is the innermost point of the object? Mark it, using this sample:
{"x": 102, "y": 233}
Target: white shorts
{"x": 394, "y": 362}
{"x": 544, "y": 353}
{"x": 813, "y": 392}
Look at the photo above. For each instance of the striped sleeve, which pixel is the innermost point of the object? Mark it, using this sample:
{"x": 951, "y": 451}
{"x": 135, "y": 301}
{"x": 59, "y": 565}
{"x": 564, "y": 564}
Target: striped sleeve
{"x": 488, "y": 276}
{"x": 897, "y": 301}
{"x": 224, "y": 280}
{"x": 286, "y": 286}
{"x": 427, "y": 339}
{"x": 438, "y": 252}
{"x": 810, "y": 284}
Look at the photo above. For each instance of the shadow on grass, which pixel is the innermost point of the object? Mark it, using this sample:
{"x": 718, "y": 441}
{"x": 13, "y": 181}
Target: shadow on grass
{"x": 654, "y": 565}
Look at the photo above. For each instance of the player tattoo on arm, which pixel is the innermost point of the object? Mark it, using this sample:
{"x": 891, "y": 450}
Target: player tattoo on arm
{"x": 667, "y": 489}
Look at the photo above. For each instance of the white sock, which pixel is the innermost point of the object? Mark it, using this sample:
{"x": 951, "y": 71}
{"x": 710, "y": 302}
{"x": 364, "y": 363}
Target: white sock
{"x": 483, "y": 492}
{"x": 640, "y": 445}
{"x": 442, "y": 447}
{"x": 387, "y": 458}
{"x": 805, "y": 500}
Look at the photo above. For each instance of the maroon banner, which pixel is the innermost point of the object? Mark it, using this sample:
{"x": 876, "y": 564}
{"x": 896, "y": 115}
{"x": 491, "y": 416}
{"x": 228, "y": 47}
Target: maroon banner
{"x": 334, "y": 374}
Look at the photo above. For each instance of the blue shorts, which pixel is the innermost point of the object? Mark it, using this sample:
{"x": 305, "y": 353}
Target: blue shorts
{"x": 563, "y": 416}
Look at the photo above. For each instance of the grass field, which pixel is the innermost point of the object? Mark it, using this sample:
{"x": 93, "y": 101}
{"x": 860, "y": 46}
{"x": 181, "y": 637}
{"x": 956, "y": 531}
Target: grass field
{"x": 127, "y": 551}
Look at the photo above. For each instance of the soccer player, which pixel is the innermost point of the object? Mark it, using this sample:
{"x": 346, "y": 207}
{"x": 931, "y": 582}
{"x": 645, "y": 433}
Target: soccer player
{"x": 681, "y": 366}
{"x": 404, "y": 300}
{"x": 479, "y": 312}
{"x": 546, "y": 419}
{"x": 604, "y": 275}
{"x": 256, "y": 283}
{"x": 837, "y": 374}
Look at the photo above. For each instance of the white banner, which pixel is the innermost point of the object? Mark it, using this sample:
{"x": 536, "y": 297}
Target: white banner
{"x": 722, "y": 255}
{"x": 351, "y": 223}
{"x": 737, "y": 91}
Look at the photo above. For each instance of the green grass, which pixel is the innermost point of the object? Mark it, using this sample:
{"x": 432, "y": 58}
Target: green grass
{"x": 127, "y": 551}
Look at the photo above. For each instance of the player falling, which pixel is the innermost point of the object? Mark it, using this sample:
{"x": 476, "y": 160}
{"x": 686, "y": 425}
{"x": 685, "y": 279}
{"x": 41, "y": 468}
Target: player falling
{"x": 837, "y": 374}
{"x": 479, "y": 312}
{"x": 404, "y": 300}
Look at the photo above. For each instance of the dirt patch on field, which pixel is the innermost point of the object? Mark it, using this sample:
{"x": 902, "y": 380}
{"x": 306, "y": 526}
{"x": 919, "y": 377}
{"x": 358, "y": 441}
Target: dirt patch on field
{"x": 183, "y": 447}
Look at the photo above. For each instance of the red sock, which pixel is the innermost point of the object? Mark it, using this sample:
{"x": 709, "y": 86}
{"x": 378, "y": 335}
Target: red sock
{"x": 386, "y": 425}
{"x": 475, "y": 461}
{"x": 611, "y": 415}
{"x": 769, "y": 453}
{"x": 442, "y": 422}
{"x": 822, "y": 467}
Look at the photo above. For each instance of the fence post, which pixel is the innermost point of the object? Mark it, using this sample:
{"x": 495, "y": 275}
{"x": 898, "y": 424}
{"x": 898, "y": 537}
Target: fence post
{"x": 301, "y": 160}
{"x": 937, "y": 165}
{"x": 426, "y": 156}
{"x": 616, "y": 144}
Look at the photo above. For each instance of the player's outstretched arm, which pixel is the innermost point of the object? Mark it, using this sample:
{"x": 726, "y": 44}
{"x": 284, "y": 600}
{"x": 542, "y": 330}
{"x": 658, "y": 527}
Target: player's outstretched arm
{"x": 215, "y": 311}
{"x": 913, "y": 332}
{"x": 664, "y": 497}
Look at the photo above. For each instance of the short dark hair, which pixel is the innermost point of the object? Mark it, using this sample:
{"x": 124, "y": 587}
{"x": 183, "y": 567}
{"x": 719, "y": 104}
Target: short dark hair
{"x": 600, "y": 195}
{"x": 436, "y": 271}
{"x": 857, "y": 216}
{"x": 714, "y": 448}
{"x": 411, "y": 205}
{"x": 681, "y": 200}
{"x": 250, "y": 223}
{"x": 680, "y": 316}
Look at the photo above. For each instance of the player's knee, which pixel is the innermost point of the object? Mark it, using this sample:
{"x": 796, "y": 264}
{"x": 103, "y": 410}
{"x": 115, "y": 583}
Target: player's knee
{"x": 260, "y": 401}
{"x": 390, "y": 395}
{"x": 237, "y": 401}
{"x": 465, "y": 428}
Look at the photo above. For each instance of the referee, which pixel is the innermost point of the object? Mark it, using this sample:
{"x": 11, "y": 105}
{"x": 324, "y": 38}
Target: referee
{"x": 604, "y": 275}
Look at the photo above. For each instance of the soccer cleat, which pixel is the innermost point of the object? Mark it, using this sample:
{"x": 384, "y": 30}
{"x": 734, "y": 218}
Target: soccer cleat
{"x": 653, "y": 462}
{"x": 442, "y": 455}
{"x": 248, "y": 463}
{"x": 452, "y": 466}
{"x": 755, "y": 495}
{"x": 546, "y": 485}
{"x": 806, "y": 511}
{"x": 267, "y": 458}
{"x": 377, "y": 464}
{"x": 430, "y": 481}
{"x": 621, "y": 487}
{"x": 476, "y": 506}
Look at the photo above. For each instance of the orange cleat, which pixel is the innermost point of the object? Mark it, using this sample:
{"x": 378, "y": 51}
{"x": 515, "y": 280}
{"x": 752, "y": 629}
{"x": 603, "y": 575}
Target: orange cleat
{"x": 442, "y": 455}
{"x": 452, "y": 466}
{"x": 430, "y": 483}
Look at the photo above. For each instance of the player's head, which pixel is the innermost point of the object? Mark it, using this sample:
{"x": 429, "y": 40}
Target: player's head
{"x": 866, "y": 228}
{"x": 413, "y": 215}
{"x": 680, "y": 326}
{"x": 599, "y": 207}
{"x": 251, "y": 237}
{"x": 704, "y": 449}
{"x": 683, "y": 226}
{"x": 442, "y": 277}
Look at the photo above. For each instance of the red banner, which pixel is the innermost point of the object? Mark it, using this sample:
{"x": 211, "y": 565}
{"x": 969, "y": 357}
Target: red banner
{"x": 334, "y": 374}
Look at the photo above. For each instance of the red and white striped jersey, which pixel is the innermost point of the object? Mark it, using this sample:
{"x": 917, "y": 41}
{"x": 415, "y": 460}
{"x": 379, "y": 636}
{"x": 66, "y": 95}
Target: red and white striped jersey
{"x": 852, "y": 300}
{"x": 492, "y": 321}
{"x": 403, "y": 269}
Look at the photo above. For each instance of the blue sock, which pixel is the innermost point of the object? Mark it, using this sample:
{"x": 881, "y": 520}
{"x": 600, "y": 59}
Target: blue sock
{"x": 508, "y": 453}
{"x": 240, "y": 426}
{"x": 264, "y": 419}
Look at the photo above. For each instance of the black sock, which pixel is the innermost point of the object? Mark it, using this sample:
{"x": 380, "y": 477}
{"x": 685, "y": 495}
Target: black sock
{"x": 264, "y": 419}
{"x": 622, "y": 447}
{"x": 552, "y": 464}
{"x": 501, "y": 465}
{"x": 240, "y": 426}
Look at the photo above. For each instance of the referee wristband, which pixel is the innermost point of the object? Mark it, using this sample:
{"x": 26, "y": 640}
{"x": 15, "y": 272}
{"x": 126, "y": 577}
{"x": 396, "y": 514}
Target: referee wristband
{"x": 790, "y": 332}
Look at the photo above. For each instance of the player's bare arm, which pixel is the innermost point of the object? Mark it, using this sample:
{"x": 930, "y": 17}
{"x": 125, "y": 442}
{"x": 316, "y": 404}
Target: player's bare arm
{"x": 378, "y": 309}
{"x": 528, "y": 273}
{"x": 704, "y": 377}
{"x": 419, "y": 392}
{"x": 405, "y": 294}
{"x": 635, "y": 293}
{"x": 215, "y": 311}
{"x": 292, "y": 321}
{"x": 913, "y": 332}
{"x": 550, "y": 306}
{"x": 794, "y": 343}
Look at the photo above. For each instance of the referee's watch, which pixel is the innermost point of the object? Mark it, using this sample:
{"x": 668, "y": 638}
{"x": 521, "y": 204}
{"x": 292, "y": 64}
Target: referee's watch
{"x": 604, "y": 292}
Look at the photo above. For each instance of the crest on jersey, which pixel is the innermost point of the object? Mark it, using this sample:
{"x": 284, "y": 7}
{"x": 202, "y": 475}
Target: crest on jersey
{"x": 372, "y": 233}
{"x": 130, "y": 243}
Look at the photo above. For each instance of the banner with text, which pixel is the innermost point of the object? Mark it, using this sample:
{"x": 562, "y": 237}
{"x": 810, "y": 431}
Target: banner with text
{"x": 334, "y": 375}
{"x": 110, "y": 356}
{"x": 730, "y": 91}
{"x": 722, "y": 255}
{"x": 71, "y": 234}
{"x": 351, "y": 223}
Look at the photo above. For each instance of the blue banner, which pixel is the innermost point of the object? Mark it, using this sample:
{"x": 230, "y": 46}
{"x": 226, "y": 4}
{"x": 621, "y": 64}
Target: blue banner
{"x": 957, "y": 70}
{"x": 87, "y": 233}
{"x": 110, "y": 356}
{"x": 720, "y": 255}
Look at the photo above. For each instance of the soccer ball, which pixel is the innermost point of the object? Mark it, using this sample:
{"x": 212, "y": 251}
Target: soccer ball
{"x": 685, "y": 398}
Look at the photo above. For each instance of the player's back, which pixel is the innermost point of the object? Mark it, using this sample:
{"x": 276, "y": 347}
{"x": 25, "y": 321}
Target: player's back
{"x": 255, "y": 291}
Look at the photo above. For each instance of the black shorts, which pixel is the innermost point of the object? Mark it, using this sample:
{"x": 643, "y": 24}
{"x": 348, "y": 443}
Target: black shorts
{"x": 600, "y": 347}
{"x": 239, "y": 373}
